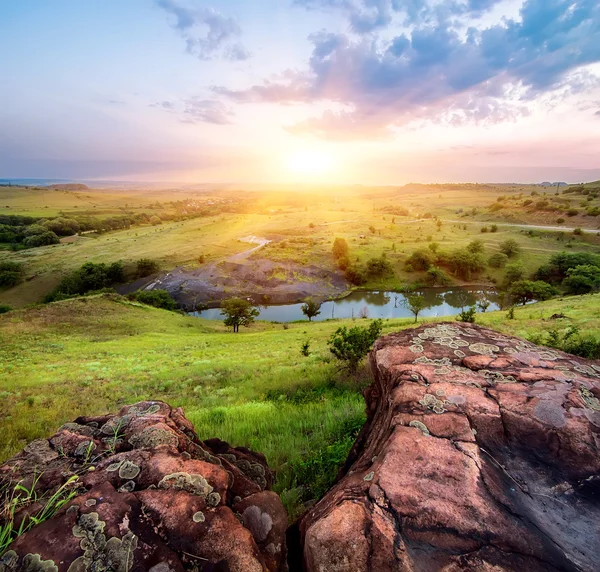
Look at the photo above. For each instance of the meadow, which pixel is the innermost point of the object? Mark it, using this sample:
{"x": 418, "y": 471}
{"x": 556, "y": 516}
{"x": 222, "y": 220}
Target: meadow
{"x": 94, "y": 354}
{"x": 302, "y": 227}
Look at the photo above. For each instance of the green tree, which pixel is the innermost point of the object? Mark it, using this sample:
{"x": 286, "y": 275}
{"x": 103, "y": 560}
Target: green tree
{"x": 582, "y": 279}
{"x": 238, "y": 313}
{"x": 416, "y": 303}
{"x": 4, "y": 308}
{"x": 310, "y": 308}
{"x": 498, "y": 260}
{"x": 525, "y": 291}
{"x": 513, "y": 273}
{"x": 340, "y": 248}
{"x": 510, "y": 247}
{"x": 146, "y": 267}
{"x": 11, "y": 273}
{"x": 476, "y": 246}
{"x": 352, "y": 345}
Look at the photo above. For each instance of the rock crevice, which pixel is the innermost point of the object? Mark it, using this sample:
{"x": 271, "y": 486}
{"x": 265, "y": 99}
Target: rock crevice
{"x": 480, "y": 452}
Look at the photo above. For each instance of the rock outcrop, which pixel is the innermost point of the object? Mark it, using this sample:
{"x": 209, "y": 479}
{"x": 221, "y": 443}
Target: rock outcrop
{"x": 481, "y": 452}
{"x": 149, "y": 496}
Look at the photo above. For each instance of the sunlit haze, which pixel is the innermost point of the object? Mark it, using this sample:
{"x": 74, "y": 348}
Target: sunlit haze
{"x": 301, "y": 91}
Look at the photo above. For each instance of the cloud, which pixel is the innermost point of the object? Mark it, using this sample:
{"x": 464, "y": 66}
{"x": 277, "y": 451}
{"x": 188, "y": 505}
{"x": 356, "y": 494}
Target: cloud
{"x": 438, "y": 68}
{"x": 208, "y": 34}
{"x": 206, "y": 111}
{"x": 597, "y": 112}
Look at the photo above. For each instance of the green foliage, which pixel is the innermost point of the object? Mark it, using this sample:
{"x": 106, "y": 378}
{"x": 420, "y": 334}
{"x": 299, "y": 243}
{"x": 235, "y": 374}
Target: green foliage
{"x": 524, "y": 291}
{"x": 494, "y": 228}
{"x": 582, "y": 279}
{"x": 513, "y": 273}
{"x": 437, "y": 277}
{"x": 351, "y": 345}
{"x": 340, "y": 248}
{"x": 556, "y": 270}
{"x": 14, "y": 498}
{"x": 511, "y": 313}
{"x": 155, "y": 220}
{"x": 420, "y": 259}
{"x": 498, "y": 260}
{"x": 43, "y": 239}
{"x": 146, "y": 267}
{"x": 311, "y": 309}
{"x": 378, "y": 267}
{"x": 463, "y": 263}
{"x": 356, "y": 275}
{"x": 5, "y": 308}
{"x": 415, "y": 302}
{"x": 11, "y": 273}
{"x": 570, "y": 340}
{"x": 305, "y": 348}
{"x": 62, "y": 226}
{"x": 510, "y": 247}
{"x": 467, "y": 315}
{"x": 157, "y": 298}
{"x": 89, "y": 278}
{"x": 238, "y": 313}
{"x": 476, "y": 246}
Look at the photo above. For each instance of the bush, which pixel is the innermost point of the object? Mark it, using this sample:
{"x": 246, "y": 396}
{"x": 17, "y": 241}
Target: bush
{"x": 560, "y": 220}
{"x": 476, "y": 246}
{"x": 340, "y": 248}
{"x": 571, "y": 341}
{"x": 582, "y": 279}
{"x": 352, "y": 345}
{"x": 463, "y": 263}
{"x": 4, "y": 308}
{"x": 494, "y": 228}
{"x": 157, "y": 298}
{"x": 43, "y": 239}
{"x": 572, "y": 212}
{"x": 90, "y": 277}
{"x": 305, "y": 348}
{"x": 510, "y": 247}
{"x": 146, "y": 267}
{"x": 355, "y": 275}
{"x": 577, "y": 232}
{"x": 377, "y": 267}
{"x": 420, "y": 259}
{"x": 11, "y": 273}
{"x": 498, "y": 260}
{"x": 559, "y": 265}
{"x": 437, "y": 277}
{"x": 467, "y": 315}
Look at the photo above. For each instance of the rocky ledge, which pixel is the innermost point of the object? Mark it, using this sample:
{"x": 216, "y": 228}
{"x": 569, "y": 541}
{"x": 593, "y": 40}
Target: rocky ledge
{"x": 480, "y": 453}
{"x": 149, "y": 496}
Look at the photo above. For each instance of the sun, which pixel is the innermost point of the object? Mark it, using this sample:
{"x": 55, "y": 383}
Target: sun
{"x": 309, "y": 163}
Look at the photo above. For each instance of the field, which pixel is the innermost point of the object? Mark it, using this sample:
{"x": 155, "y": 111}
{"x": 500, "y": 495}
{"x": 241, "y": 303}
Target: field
{"x": 93, "y": 355}
{"x": 302, "y": 227}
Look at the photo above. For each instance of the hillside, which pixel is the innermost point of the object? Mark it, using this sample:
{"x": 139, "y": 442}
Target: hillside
{"x": 92, "y": 355}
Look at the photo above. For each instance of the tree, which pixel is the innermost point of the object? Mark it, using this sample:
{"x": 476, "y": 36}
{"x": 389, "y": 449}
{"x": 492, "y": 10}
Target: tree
{"x": 476, "y": 246}
{"x": 310, "y": 308}
{"x": 483, "y": 303}
{"x": 146, "y": 267}
{"x": 510, "y": 247}
{"x": 238, "y": 313}
{"x": 379, "y": 266}
{"x": 420, "y": 259}
{"x": 464, "y": 264}
{"x": 42, "y": 239}
{"x": 352, "y": 345}
{"x": 513, "y": 273}
{"x": 582, "y": 279}
{"x": 11, "y": 273}
{"x": 525, "y": 291}
{"x": 372, "y": 229}
{"x": 415, "y": 303}
{"x": 340, "y": 248}
{"x": 498, "y": 260}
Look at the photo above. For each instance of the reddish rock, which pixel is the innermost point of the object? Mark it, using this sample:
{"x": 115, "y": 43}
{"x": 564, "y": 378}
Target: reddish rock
{"x": 149, "y": 495}
{"x": 481, "y": 452}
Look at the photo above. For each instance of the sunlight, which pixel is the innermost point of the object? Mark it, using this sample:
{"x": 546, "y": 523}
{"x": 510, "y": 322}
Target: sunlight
{"x": 310, "y": 163}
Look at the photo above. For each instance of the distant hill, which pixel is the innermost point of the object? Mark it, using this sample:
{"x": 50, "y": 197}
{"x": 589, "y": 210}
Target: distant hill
{"x": 555, "y": 184}
{"x": 69, "y": 187}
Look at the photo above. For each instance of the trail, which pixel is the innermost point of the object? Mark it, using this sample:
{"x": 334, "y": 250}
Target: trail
{"x": 525, "y": 226}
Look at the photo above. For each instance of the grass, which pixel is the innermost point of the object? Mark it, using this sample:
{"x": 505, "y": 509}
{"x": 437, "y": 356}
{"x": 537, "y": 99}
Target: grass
{"x": 285, "y": 218}
{"x": 92, "y": 355}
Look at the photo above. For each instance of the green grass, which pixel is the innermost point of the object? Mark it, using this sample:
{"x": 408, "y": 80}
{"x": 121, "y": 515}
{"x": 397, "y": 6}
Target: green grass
{"x": 92, "y": 355}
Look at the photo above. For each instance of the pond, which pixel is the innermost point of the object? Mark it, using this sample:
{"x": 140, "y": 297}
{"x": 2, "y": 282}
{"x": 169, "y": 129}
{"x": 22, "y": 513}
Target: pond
{"x": 440, "y": 302}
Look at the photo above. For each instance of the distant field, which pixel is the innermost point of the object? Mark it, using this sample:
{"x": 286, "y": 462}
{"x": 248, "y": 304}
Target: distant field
{"x": 93, "y": 355}
{"x": 302, "y": 228}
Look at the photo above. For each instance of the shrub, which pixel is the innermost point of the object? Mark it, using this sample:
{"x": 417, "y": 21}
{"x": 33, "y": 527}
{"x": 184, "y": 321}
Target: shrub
{"x": 355, "y": 275}
{"x": 43, "y": 239}
{"x": 577, "y": 231}
{"x": 157, "y": 298}
{"x": 350, "y": 346}
{"x": 572, "y": 212}
{"x": 437, "y": 277}
{"x": 582, "y": 279}
{"x": 467, "y": 315}
{"x": 146, "y": 267}
{"x": 340, "y": 248}
{"x": 572, "y": 341}
{"x": 155, "y": 220}
{"x": 476, "y": 246}
{"x": 484, "y": 229}
{"x": 560, "y": 220}
{"x": 305, "y": 348}
{"x": 494, "y": 228}
{"x": 420, "y": 259}
{"x": 510, "y": 247}
{"x": 377, "y": 267}
{"x": 11, "y": 273}
{"x": 556, "y": 270}
{"x": 463, "y": 263}
{"x": 4, "y": 308}
{"x": 498, "y": 260}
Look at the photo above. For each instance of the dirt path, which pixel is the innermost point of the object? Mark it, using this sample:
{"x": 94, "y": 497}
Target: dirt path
{"x": 525, "y": 226}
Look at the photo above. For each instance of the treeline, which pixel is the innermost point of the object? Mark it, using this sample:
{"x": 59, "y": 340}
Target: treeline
{"x": 359, "y": 274}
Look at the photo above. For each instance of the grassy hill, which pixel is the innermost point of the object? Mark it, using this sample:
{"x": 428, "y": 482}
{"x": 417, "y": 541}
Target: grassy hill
{"x": 92, "y": 355}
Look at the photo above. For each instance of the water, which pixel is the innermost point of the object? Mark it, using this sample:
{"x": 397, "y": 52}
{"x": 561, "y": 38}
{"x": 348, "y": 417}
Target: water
{"x": 440, "y": 302}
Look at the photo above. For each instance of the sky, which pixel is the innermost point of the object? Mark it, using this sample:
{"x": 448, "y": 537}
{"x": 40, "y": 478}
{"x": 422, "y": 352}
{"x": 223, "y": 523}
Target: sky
{"x": 373, "y": 92}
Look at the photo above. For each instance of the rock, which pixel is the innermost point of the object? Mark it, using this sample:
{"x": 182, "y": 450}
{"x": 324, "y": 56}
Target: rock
{"x": 149, "y": 495}
{"x": 480, "y": 452}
